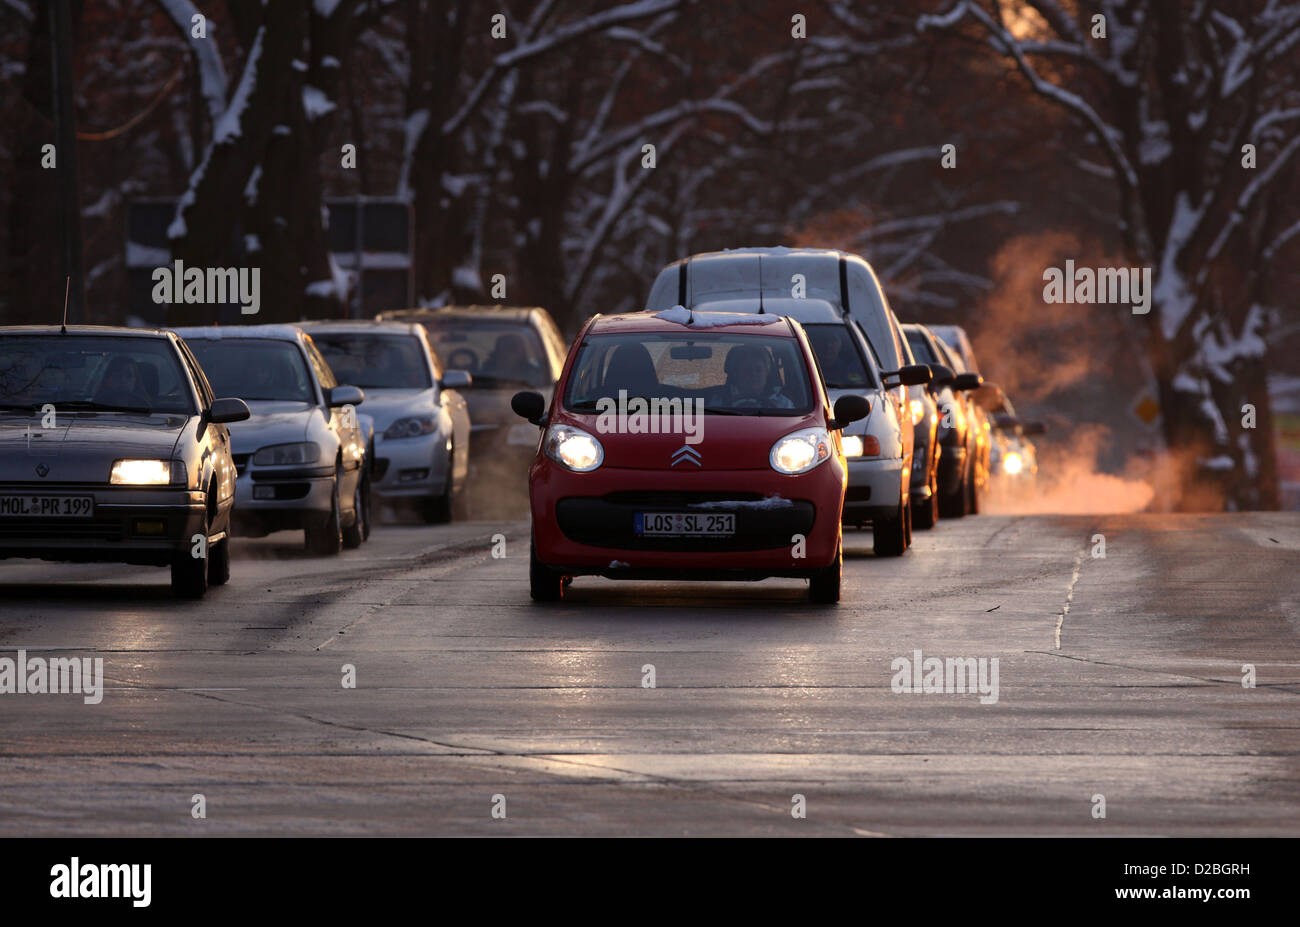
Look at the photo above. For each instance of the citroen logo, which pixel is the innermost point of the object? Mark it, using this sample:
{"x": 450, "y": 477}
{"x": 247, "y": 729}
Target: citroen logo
{"x": 42, "y": 470}
{"x": 686, "y": 454}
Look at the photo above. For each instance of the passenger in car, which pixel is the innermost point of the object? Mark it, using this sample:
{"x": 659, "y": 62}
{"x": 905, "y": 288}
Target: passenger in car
{"x": 750, "y": 381}
{"x": 631, "y": 368}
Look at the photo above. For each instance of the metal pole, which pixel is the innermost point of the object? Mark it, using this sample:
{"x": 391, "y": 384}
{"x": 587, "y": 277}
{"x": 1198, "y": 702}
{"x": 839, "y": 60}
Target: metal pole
{"x": 65, "y": 133}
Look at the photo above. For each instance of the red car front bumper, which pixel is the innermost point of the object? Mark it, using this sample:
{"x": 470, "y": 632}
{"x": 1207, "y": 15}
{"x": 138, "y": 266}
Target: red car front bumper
{"x": 583, "y": 523}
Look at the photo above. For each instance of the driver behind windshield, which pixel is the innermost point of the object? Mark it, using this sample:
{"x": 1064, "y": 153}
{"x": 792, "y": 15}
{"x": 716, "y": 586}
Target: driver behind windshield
{"x": 749, "y": 381}
{"x": 122, "y": 385}
{"x": 836, "y": 367}
{"x": 509, "y": 360}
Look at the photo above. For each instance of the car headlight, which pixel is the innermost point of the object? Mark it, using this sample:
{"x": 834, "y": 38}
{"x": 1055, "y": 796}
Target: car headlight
{"x": 800, "y": 451}
{"x": 573, "y": 448}
{"x": 411, "y": 427}
{"x": 141, "y": 473}
{"x": 852, "y": 445}
{"x": 1012, "y": 463}
{"x": 918, "y": 411}
{"x": 276, "y": 455}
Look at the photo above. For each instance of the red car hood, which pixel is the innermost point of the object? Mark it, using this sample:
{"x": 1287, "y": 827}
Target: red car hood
{"x": 727, "y": 442}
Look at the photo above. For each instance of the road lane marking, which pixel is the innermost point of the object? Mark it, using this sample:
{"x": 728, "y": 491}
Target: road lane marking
{"x": 1069, "y": 597}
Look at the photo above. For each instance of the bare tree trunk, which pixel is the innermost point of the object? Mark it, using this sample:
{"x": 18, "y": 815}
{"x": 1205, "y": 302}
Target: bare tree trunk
{"x": 209, "y": 212}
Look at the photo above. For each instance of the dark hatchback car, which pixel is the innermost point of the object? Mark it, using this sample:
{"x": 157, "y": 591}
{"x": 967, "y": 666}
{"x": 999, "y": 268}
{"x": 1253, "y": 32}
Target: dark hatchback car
{"x": 113, "y": 448}
{"x": 961, "y": 441}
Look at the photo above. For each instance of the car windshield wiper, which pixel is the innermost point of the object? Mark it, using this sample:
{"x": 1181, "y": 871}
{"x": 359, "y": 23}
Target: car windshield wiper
{"x": 17, "y": 407}
{"x": 88, "y": 405}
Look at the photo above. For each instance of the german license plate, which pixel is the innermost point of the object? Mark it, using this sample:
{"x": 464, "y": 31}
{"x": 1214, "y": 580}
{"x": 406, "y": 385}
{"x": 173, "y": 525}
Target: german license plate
{"x": 684, "y": 524}
{"x": 47, "y": 506}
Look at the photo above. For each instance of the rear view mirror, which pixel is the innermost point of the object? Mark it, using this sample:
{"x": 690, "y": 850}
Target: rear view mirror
{"x": 529, "y": 405}
{"x": 456, "y": 379}
{"x": 943, "y": 375}
{"x": 911, "y": 375}
{"x": 224, "y": 411}
{"x": 966, "y": 381}
{"x": 849, "y": 409}
{"x": 344, "y": 396}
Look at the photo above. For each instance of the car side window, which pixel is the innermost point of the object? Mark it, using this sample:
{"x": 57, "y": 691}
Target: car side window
{"x": 201, "y": 384}
{"x": 323, "y": 372}
{"x": 875, "y": 355}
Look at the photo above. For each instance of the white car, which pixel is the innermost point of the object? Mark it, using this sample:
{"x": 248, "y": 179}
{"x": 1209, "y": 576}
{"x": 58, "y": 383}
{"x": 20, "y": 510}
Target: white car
{"x": 422, "y": 421}
{"x": 301, "y": 456}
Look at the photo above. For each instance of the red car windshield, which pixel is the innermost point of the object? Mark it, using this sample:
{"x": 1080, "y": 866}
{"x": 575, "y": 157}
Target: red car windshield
{"x": 730, "y": 374}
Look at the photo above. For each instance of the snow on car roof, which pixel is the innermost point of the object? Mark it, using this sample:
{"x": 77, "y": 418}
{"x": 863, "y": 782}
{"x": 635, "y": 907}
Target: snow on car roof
{"x": 361, "y": 326}
{"x": 224, "y": 332}
{"x": 676, "y": 318}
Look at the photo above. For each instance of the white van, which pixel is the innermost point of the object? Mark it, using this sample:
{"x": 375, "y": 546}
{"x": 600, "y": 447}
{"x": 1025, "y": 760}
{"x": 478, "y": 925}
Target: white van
{"x": 839, "y": 290}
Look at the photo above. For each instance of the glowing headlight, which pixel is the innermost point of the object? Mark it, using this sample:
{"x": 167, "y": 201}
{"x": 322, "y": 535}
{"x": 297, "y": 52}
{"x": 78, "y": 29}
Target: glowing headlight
{"x": 281, "y": 454}
{"x": 573, "y": 448}
{"x": 918, "y": 411}
{"x": 411, "y": 427}
{"x": 801, "y": 451}
{"x": 1012, "y": 463}
{"x": 141, "y": 472}
{"x": 852, "y": 445}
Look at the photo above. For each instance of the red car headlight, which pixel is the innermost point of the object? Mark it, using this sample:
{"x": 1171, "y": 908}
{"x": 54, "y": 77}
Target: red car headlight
{"x": 800, "y": 451}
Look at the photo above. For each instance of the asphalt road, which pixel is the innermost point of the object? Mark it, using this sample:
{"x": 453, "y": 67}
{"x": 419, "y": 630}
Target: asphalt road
{"x": 466, "y": 690}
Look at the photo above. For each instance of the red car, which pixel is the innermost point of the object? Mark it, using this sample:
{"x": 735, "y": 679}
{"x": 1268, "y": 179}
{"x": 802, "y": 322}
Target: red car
{"x": 687, "y": 445}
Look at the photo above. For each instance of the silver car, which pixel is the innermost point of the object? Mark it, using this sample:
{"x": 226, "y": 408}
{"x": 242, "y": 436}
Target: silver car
{"x": 818, "y": 287}
{"x": 506, "y": 349}
{"x": 114, "y": 448}
{"x": 301, "y": 457}
{"x": 422, "y": 420}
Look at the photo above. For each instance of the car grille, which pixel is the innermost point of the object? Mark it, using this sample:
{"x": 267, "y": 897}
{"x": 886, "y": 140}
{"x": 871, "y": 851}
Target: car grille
{"x": 663, "y": 499}
{"x": 241, "y": 463}
{"x": 378, "y": 467}
{"x": 608, "y": 521}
